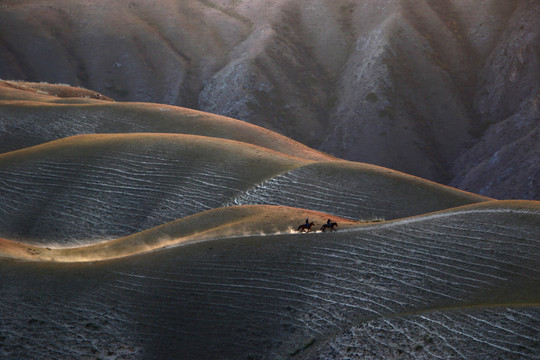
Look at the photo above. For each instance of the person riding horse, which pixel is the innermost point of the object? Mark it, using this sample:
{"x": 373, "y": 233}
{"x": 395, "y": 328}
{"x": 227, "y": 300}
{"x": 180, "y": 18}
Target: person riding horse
{"x": 305, "y": 227}
{"x": 329, "y": 225}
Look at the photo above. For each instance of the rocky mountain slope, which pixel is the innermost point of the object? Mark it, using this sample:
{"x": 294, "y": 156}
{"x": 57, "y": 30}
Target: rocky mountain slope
{"x": 438, "y": 90}
{"x": 448, "y": 91}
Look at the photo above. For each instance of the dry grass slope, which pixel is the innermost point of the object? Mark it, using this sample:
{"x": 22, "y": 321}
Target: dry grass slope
{"x": 29, "y": 119}
{"x": 93, "y": 187}
{"x": 24, "y": 90}
{"x": 229, "y": 222}
{"x": 270, "y": 297}
{"x": 356, "y": 190}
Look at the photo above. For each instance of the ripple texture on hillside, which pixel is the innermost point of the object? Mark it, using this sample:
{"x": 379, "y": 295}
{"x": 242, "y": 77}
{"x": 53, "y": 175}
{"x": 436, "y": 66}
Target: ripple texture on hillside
{"x": 269, "y": 297}
{"x": 118, "y": 185}
{"x": 357, "y": 192}
{"x": 496, "y": 333}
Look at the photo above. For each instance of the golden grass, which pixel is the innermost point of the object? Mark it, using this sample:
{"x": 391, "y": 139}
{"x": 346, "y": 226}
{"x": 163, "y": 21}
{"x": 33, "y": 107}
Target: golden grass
{"x": 200, "y": 147}
{"x": 228, "y": 222}
{"x": 23, "y": 90}
{"x": 156, "y": 118}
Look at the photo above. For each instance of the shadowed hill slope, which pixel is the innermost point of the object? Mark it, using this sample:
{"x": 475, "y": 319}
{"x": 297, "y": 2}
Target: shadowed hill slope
{"x": 28, "y": 119}
{"x": 95, "y": 186}
{"x": 101, "y": 186}
{"x": 416, "y": 86}
{"x": 229, "y": 222}
{"x": 271, "y": 297}
{"x": 356, "y": 191}
{"x": 501, "y": 331}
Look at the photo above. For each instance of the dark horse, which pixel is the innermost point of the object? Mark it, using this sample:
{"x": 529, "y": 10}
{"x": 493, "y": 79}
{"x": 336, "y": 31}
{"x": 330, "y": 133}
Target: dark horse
{"x": 330, "y": 226}
{"x": 305, "y": 227}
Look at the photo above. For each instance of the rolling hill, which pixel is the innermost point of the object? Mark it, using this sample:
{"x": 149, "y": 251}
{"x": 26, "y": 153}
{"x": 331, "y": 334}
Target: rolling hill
{"x": 109, "y": 185}
{"x": 228, "y": 222}
{"x": 147, "y": 231}
{"x": 445, "y": 91}
{"x": 462, "y": 282}
{"x": 30, "y": 118}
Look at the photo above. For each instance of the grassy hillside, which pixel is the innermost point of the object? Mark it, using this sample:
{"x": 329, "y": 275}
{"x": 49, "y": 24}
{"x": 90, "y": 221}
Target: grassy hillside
{"x": 29, "y": 119}
{"x": 101, "y": 186}
{"x": 356, "y": 190}
{"x": 124, "y": 242}
{"x": 229, "y": 222}
{"x": 91, "y": 187}
{"x": 433, "y": 281}
{"x": 23, "y": 90}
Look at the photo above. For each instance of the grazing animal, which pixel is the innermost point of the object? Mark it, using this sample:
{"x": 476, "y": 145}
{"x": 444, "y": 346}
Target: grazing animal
{"x": 329, "y": 225}
{"x": 305, "y": 227}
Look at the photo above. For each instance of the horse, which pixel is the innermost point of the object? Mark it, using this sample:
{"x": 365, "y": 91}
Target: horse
{"x": 305, "y": 227}
{"x": 330, "y": 226}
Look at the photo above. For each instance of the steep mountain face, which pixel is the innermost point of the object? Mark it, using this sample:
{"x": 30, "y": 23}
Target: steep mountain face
{"x": 448, "y": 91}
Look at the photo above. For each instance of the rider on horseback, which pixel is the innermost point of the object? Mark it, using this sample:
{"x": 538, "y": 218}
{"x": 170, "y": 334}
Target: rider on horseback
{"x": 306, "y": 227}
{"x": 329, "y": 225}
